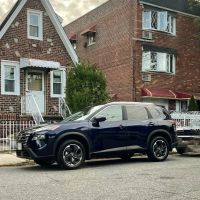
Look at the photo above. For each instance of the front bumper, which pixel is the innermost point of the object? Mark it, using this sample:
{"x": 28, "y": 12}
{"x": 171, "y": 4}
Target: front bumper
{"x": 26, "y": 148}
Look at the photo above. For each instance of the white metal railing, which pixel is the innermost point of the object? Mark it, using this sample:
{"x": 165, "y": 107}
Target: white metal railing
{"x": 30, "y": 106}
{"x": 187, "y": 120}
{"x": 64, "y": 110}
{"x": 9, "y": 131}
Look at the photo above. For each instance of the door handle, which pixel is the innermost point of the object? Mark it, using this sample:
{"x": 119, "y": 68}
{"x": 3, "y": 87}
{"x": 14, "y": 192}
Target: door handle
{"x": 151, "y": 124}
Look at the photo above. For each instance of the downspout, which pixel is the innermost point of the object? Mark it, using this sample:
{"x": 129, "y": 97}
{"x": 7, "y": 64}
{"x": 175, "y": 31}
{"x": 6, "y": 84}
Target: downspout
{"x": 132, "y": 60}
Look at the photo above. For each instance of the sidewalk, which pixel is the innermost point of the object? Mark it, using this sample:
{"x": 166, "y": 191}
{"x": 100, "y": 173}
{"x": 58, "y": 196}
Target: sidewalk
{"x": 10, "y": 159}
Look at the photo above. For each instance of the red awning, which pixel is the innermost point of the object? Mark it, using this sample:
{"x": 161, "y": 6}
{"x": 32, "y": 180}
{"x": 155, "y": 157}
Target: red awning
{"x": 73, "y": 37}
{"x": 182, "y": 95}
{"x": 163, "y": 93}
{"x": 89, "y": 30}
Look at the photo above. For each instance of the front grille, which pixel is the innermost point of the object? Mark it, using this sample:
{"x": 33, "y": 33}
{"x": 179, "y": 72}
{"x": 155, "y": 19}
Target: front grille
{"x": 22, "y": 138}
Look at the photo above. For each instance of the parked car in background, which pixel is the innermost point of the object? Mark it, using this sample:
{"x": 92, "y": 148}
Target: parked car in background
{"x": 117, "y": 129}
{"x": 188, "y": 131}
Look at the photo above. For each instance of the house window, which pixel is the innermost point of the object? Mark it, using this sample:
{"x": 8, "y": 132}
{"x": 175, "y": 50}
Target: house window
{"x": 73, "y": 44}
{"x": 91, "y": 38}
{"x": 58, "y": 83}
{"x": 159, "y": 20}
{"x": 35, "y": 25}
{"x": 158, "y": 62}
{"x": 10, "y": 78}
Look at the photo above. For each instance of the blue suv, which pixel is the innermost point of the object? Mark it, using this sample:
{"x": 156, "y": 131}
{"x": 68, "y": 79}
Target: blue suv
{"x": 112, "y": 130}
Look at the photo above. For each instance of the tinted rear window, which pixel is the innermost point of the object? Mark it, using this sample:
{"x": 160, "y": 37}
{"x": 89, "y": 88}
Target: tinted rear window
{"x": 136, "y": 113}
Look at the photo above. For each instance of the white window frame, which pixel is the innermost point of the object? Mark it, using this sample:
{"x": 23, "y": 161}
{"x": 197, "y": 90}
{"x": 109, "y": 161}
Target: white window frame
{"x": 14, "y": 64}
{"x": 167, "y": 18}
{"x": 74, "y": 44}
{"x": 91, "y": 38}
{"x": 63, "y": 82}
{"x": 161, "y": 62}
{"x": 40, "y": 25}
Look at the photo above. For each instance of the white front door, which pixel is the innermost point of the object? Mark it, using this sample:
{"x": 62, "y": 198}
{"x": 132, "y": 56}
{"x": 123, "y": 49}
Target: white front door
{"x": 35, "y": 88}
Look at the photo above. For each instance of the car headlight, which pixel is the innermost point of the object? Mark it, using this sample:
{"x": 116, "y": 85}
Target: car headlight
{"x": 40, "y": 135}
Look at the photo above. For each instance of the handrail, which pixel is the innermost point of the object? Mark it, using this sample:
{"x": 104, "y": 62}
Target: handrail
{"x": 64, "y": 108}
{"x": 29, "y": 105}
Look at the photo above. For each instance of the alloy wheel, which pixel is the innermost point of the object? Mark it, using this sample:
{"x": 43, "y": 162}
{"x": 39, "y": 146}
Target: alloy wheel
{"x": 160, "y": 149}
{"x": 72, "y": 155}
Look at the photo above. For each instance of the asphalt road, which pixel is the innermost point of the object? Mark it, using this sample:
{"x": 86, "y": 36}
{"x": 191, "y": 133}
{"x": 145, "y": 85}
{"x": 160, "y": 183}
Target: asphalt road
{"x": 178, "y": 178}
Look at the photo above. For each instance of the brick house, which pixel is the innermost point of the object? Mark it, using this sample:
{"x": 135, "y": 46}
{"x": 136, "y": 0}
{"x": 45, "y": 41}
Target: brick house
{"x": 147, "y": 49}
{"x": 34, "y": 55}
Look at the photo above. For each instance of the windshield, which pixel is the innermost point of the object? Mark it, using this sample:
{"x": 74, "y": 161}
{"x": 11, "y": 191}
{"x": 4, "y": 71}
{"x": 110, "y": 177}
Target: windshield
{"x": 82, "y": 115}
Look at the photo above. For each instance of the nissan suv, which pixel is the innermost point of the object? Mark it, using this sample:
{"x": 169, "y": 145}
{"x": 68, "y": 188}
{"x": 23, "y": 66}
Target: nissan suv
{"x": 117, "y": 129}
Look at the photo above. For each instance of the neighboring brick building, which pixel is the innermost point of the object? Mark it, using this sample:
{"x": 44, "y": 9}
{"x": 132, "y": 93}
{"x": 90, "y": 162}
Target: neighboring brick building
{"x": 147, "y": 49}
{"x": 34, "y": 55}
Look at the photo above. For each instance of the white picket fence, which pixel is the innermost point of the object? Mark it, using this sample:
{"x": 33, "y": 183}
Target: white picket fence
{"x": 187, "y": 120}
{"x": 9, "y": 131}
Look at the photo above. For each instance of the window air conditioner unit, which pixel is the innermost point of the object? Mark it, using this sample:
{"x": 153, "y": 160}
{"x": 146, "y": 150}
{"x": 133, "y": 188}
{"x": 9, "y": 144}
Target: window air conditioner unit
{"x": 146, "y": 77}
{"x": 147, "y": 35}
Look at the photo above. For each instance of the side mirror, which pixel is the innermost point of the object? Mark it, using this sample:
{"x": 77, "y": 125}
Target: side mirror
{"x": 97, "y": 120}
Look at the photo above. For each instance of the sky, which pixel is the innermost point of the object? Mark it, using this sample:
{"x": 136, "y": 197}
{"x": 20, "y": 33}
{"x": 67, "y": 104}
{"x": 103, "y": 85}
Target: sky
{"x": 69, "y": 10}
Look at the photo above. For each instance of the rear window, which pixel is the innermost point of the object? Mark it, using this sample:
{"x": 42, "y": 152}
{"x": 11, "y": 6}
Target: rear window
{"x": 136, "y": 113}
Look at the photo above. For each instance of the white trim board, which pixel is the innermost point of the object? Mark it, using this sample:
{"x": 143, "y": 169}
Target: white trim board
{"x": 12, "y": 18}
{"x": 54, "y": 19}
{"x": 169, "y": 9}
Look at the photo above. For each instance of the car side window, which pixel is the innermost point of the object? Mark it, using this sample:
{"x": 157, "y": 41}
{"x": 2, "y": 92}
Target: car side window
{"x": 154, "y": 112}
{"x": 136, "y": 113}
{"x": 112, "y": 113}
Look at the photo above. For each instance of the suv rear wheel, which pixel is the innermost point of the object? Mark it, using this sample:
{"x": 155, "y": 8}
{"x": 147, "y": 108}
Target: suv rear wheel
{"x": 158, "y": 149}
{"x": 71, "y": 154}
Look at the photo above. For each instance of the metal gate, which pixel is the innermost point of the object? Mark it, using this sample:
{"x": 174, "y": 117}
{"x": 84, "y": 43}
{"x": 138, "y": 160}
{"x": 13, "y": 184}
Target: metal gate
{"x": 9, "y": 131}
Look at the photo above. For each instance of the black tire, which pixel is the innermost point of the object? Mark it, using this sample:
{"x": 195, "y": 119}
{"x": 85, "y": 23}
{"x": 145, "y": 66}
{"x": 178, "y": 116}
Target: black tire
{"x": 44, "y": 163}
{"x": 158, "y": 149}
{"x": 181, "y": 150}
{"x": 126, "y": 157}
{"x": 71, "y": 155}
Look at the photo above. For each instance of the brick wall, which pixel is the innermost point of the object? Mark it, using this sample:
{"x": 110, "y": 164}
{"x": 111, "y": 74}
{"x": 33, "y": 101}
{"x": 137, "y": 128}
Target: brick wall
{"x": 118, "y": 52}
{"x": 187, "y": 45}
{"x": 25, "y": 48}
{"x": 112, "y": 50}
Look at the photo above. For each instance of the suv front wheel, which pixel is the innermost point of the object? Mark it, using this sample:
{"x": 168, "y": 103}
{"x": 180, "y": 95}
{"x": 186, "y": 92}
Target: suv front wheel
{"x": 158, "y": 149}
{"x": 71, "y": 154}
